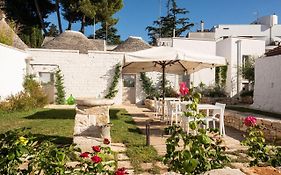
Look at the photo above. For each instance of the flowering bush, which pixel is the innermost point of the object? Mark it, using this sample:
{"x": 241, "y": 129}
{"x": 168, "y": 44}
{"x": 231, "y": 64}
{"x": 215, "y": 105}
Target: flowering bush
{"x": 184, "y": 91}
{"x": 20, "y": 146}
{"x": 257, "y": 147}
{"x": 200, "y": 152}
{"x": 250, "y": 121}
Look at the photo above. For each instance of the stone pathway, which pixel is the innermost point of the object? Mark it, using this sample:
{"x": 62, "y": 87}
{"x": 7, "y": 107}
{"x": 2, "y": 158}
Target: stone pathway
{"x": 235, "y": 151}
{"x": 123, "y": 159}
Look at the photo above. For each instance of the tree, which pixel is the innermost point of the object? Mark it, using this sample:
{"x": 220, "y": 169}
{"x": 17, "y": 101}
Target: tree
{"x": 29, "y": 12}
{"x": 58, "y": 15}
{"x": 53, "y": 31}
{"x": 175, "y": 22}
{"x": 109, "y": 33}
{"x": 60, "y": 99}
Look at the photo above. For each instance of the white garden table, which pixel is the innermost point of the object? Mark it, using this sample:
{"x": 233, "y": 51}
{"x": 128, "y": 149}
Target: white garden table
{"x": 209, "y": 107}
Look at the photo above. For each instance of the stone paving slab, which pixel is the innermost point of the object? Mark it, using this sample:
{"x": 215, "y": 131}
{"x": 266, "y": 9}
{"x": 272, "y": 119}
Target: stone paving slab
{"x": 122, "y": 156}
{"x": 126, "y": 164}
{"x": 118, "y": 147}
{"x": 224, "y": 171}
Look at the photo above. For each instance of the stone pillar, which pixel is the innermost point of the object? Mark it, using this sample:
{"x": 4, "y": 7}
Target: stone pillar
{"x": 92, "y": 122}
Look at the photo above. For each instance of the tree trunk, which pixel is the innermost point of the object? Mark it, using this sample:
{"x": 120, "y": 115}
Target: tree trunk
{"x": 40, "y": 16}
{"x": 82, "y": 30}
{"x": 69, "y": 25}
{"x": 58, "y": 15}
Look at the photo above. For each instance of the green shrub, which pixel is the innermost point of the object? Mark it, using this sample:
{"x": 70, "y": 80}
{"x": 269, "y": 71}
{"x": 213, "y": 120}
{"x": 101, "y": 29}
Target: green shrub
{"x": 19, "y": 147}
{"x": 60, "y": 94}
{"x": 201, "y": 151}
{"x": 31, "y": 97}
{"x": 247, "y": 93}
{"x": 211, "y": 91}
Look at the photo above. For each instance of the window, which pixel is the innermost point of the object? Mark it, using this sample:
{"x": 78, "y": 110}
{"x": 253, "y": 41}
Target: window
{"x": 129, "y": 80}
{"x": 46, "y": 77}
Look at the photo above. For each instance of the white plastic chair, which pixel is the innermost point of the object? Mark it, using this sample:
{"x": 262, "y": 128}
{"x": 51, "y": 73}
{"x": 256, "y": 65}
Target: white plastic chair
{"x": 214, "y": 118}
{"x": 174, "y": 111}
{"x": 157, "y": 107}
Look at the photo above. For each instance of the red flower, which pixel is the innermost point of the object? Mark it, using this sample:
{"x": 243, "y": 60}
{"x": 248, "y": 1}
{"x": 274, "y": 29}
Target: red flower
{"x": 85, "y": 154}
{"x": 96, "y": 159}
{"x": 183, "y": 89}
{"x": 121, "y": 171}
{"x": 250, "y": 121}
{"x": 106, "y": 141}
{"x": 96, "y": 148}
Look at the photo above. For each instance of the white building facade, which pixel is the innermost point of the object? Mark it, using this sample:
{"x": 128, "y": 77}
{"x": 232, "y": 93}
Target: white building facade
{"x": 267, "y": 93}
{"x": 12, "y": 70}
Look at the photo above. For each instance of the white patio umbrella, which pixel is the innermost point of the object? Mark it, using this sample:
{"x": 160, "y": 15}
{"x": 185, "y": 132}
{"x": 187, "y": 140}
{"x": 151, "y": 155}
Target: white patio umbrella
{"x": 169, "y": 60}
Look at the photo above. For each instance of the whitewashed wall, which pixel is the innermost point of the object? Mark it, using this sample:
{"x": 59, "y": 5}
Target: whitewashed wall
{"x": 267, "y": 95}
{"x": 12, "y": 70}
{"x": 85, "y": 75}
{"x": 206, "y": 76}
{"x": 228, "y": 49}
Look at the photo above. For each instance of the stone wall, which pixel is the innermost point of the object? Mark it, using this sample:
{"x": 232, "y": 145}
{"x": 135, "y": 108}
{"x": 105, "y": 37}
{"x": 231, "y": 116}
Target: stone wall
{"x": 272, "y": 127}
{"x": 85, "y": 75}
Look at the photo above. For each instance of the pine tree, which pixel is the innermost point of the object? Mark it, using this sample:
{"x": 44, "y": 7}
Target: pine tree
{"x": 60, "y": 94}
{"x": 174, "y": 20}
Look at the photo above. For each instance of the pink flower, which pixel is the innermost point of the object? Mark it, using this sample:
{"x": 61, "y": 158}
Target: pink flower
{"x": 121, "y": 171}
{"x": 85, "y": 154}
{"x": 183, "y": 89}
{"x": 96, "y": 148}
{"x": 96, "y": 159}
{"x": 250, "y": 121}
{"x": 106, "y": 141}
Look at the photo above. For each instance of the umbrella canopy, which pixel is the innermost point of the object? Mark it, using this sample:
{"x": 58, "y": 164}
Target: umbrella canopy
{"x": 169, "y": 60}
{"x": 174, "y": 60}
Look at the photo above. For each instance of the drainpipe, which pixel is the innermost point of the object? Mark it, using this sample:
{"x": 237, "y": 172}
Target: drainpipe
{"x": 239, "y": 43}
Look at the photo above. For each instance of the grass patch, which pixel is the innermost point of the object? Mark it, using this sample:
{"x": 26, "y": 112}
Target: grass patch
{"x": 124, "y": 130}
{"x": 53, "y": 124}
{"x": 254, "y": 111}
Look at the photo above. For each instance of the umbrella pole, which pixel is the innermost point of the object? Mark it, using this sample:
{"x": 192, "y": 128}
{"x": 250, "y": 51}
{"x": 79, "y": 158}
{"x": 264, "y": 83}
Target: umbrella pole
{"x": 163, "y": 91}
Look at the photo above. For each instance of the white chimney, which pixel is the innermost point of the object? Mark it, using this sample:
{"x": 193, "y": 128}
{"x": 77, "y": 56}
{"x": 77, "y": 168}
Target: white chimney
{"x": 202, "y": 26}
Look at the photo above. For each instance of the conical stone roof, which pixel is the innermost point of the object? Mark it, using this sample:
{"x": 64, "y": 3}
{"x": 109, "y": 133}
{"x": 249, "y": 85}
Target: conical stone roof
{"x": 71, "y": 40}
{"x": 132, "y": 44}
{"x": 6, "y": 30}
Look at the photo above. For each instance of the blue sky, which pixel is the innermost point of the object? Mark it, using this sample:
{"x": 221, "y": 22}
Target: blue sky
{"x": 136, "y": 15}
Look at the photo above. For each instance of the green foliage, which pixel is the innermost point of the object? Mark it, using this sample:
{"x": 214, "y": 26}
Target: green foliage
{"x": 175, "y": 19}
{"x": 248, "y": 69}
{"x": 19, "y": 147}
{"x": 148, "y": 87}
{"x": 89, "y": 11}
{"x": 53, "y": 31}
{"x": 14, "y": 148}
{"x": 32, "y": 37}
{"x": 247, "y": 93}
{"x": 200, "y": 152}
{"x": 257, "y": 147}
{"x": 221, "y": 74}
{"x": 28, "y": 15}
{"x": 6, "y": 37}
{"x": 124, "y": 130}
{"x": 211, "y": 91}
{"x": 60, "y": 93}
{"x": 32, "y": 97}
{"x": 112, "y": 89}
{"x": 109, "y": 33}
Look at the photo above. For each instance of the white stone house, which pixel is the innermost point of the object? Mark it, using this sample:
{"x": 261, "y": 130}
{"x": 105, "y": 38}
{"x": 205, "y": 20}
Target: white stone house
{"x": 12, "y": 61}
{"x": 87, "y": 71}
{"x": 267, "y": 93}
{"x": 12, "y": 70}
{"x": 234, "y": 42}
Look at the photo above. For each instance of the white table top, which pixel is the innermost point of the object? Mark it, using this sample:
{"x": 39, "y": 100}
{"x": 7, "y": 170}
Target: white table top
{"x": 207, "y": 106}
